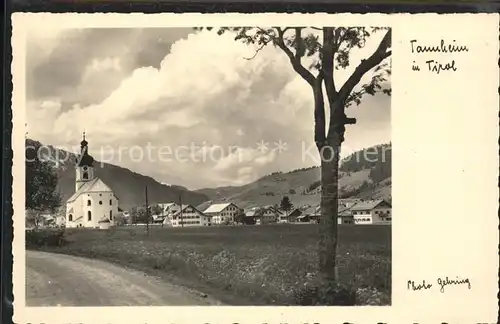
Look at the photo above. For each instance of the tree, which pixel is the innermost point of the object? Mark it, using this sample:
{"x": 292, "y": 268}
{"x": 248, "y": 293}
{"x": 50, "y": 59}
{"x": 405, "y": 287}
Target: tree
{"x": 119, "y": 219}
{"x": 41, "y": 182}
{"x": 138, "y": 215}
{"x": 240, "y": 217}
{"x": 328, "y": 49}
{"x": 259, "y": 215}
{"x": 286, "y": 205}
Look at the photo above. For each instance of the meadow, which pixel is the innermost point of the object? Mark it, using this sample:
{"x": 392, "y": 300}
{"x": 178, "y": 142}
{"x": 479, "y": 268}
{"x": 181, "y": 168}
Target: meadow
{"x": 246, "y": 265}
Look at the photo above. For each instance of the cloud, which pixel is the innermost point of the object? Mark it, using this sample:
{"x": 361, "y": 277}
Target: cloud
{"x": 198, "y": 97}
{"x": 60, "y": 61}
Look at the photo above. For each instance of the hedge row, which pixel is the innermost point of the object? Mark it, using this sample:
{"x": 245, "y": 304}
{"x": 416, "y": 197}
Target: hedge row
{"x": 45, "y": 238}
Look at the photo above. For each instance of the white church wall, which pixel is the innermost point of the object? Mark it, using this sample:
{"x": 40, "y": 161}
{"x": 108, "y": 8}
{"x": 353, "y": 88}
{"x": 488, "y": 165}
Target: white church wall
{"x": 80, "y": 171}
{"x": 100, "y": 207}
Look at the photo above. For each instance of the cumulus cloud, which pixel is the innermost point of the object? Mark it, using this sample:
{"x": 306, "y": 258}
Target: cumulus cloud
{"x": 192, "y": 94}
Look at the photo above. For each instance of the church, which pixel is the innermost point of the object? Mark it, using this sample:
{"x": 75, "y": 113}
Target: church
{"x": 93, "y": 201}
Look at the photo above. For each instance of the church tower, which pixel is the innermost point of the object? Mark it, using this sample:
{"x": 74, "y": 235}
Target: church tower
{"x": 84, "y": 165}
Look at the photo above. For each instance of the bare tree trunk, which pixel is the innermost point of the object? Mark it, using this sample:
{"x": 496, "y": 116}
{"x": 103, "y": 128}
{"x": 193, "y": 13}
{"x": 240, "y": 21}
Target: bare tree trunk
{"x": 329, "y": 209}
{"x": 37, "y": 220}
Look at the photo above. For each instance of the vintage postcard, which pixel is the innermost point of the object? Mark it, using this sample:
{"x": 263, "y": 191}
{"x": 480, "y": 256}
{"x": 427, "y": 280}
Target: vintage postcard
{"x": 239, "y": 168}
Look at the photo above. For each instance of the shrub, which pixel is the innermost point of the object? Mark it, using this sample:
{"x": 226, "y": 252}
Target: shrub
{"x": 326, "y": 294}
{"x": 372, "y": 296}
{"x": 44, "y": 237}
{"x": 314, "y": 185}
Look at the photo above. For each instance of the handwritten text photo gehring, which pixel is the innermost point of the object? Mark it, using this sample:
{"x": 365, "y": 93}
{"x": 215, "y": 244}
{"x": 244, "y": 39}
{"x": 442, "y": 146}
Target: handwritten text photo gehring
{"x": 208, "y": 166}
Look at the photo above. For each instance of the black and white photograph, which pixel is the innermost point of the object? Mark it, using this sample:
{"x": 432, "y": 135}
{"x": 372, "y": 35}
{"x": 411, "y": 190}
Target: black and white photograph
{"x": 195, "y": 166}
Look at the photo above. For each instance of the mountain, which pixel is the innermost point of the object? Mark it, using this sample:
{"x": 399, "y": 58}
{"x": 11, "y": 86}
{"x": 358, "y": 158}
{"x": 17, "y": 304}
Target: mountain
{"x": 127, "y": 185}
{"x": 364, "y": 174}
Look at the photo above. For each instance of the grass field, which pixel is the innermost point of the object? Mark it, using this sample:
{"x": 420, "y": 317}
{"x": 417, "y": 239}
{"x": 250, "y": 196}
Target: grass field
{"x": 259, "y": 265}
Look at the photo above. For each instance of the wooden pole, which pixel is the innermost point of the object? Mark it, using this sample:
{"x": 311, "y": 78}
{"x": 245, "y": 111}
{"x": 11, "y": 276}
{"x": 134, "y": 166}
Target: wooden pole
{"x": 147, "y": 210}
{"x": 182, "y": 216}
{"x": 162, "y": 215}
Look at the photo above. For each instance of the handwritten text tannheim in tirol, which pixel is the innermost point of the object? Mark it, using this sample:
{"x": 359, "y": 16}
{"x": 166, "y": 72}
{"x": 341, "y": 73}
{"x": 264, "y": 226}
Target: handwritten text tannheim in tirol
{"x": 443, "y": 47}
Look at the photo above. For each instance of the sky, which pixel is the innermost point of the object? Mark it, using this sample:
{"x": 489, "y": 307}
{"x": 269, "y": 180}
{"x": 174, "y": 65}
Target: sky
{"x": 185, "y": 107}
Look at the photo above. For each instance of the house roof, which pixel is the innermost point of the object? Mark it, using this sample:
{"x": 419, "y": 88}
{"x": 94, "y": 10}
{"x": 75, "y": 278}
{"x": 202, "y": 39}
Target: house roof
{"x": 250, "y": 212}
{"x": 165, "y": 205}
{"x": 94, "y": 185}
{"x": 344, "y": 200}
{"x": 204, "y": 205}
{"x": 345, "y": 212}
{"x": 216, "y": 208}
{"x": 311, "y": 210}
{"x": 296, "y": 210}
{"x": 183, "y": 207}
{"x": 271, "y": 208}
{"x": 367, "y": 205}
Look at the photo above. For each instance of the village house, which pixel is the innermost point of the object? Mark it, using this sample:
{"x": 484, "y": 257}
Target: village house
{"x": 157, "y": 219}
{"x": 222, "y": 213}
{"x": 345, "y": 216}
{"x": 293, "y": 215}
{"x": 268, "y": 215}
{"x": 127, "y": 217}
{"x": 169, "y": 208}
{"x": 189, "y": 216}
{"x": 309, "y": 215}
{"x": 348, "y": 202}
{"x": 250, "y": 215}
{"x": 372, "y": 212}
{"x": 93, "y": 201}
{"x": 166, "y": 212}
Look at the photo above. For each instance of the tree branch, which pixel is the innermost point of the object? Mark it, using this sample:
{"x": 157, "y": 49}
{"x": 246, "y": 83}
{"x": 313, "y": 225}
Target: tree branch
{"x": 299, "y": 45}
{"x": 256, "y": 52}
{"x": 378, "y": 56}
{"x": 328, "y": 53}
{"x": 319, "y": 112}
{"x": 295, "y": 60}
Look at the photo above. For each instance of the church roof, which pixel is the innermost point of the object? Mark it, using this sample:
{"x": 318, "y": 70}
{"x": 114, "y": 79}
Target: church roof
{"x": 94, "y": 185}
{"x": 85, "y": 159}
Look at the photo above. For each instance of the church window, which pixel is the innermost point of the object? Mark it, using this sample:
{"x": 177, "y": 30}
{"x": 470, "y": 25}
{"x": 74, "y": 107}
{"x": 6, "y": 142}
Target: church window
{"x": 70, "y": 217}
{"x": 89, "y": 202}
{"x": 110, "y": 202}
{"x": 110, "y": 215}
{"x": 85, "y": 176}
{"x": 84, "y": 168}
{"x": 89, "y": 215}
{"x": 100, "y": 202}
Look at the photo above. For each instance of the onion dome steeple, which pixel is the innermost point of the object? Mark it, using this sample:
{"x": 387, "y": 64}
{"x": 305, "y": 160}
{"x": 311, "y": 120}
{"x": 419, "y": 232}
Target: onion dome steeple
{"x": 85, "y": 159}
{"x": 83, "y": 143}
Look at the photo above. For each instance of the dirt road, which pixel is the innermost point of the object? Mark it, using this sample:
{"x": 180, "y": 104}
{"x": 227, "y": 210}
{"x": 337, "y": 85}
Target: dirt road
{"x": 62, "y": 280}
